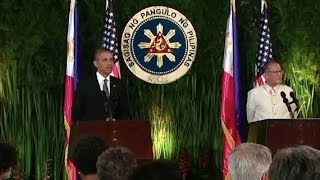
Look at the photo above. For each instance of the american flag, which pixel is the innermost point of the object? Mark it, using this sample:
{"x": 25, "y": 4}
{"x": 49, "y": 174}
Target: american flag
{"x": 109, "y": 40}
{"x": 264, "y": 53}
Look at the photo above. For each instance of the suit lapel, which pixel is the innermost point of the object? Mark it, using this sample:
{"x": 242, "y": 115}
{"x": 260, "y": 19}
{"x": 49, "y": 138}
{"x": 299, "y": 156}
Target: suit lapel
{"x": 113, "y": 87}
{"x": 96, "y": 85}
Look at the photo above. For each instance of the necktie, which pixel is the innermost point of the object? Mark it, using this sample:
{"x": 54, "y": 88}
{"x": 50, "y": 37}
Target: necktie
{"x": 105, "y": 88}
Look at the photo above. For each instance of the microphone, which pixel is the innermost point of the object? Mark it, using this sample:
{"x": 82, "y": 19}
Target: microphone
{"x": 284, "y": 97}
{"x": 286, "y": 101}
{"x": 294, "y": 100}
{"x": 107, "y": 105}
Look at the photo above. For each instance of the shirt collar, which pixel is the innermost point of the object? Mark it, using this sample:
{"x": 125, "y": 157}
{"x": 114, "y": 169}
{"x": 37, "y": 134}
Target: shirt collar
{"x": 101, "y": 78}
{"x": 269, "y": 88}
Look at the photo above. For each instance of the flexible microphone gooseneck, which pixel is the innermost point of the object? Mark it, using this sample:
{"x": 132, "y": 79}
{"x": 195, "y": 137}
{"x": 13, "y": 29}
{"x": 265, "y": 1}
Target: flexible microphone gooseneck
{"x": 286, "y": 101}
{"x": 294, "y": 100}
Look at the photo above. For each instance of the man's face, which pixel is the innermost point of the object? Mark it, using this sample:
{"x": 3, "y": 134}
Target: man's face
{"x": 104, "y": 63}
{"x": 273, "y": 74}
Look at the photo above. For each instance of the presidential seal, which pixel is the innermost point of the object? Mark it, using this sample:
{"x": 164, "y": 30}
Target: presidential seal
{"x": 159, "y": 44}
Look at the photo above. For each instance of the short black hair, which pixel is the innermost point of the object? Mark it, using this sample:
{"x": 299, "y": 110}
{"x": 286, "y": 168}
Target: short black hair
{"x": 295, "y": 163}
{"x": 86, "y": 152}
{"x": 8, "y": 156}
{"x": 267, "y": 64}
{"x": 157, "y": 170}
{"x": 98, "y": 52}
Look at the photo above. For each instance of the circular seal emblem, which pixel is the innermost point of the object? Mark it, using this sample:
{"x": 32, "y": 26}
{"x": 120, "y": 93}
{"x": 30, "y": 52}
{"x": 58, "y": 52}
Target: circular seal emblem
{"x": 159, "y": 44}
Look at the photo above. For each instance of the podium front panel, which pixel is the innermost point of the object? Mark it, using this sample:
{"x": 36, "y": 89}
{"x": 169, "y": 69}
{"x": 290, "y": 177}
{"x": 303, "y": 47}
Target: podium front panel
{"x": 134, "y": 135}
{"x": 282, "y": 133}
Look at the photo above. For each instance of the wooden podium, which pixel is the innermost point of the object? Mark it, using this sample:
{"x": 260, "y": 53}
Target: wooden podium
{"x": 134, "y": 135}
{"x": 281, "y": 133}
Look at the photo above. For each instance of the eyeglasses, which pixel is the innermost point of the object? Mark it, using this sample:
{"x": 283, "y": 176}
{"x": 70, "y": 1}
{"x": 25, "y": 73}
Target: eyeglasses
{"x": 276, "y": 72}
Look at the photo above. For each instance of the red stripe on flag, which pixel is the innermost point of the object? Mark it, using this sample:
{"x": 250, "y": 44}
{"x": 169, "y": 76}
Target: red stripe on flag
{"x": 68, "y": 98}
{"x": 116, "y": 71}
{"x": 228, "y": 112}
{"x": 228, "y": 117}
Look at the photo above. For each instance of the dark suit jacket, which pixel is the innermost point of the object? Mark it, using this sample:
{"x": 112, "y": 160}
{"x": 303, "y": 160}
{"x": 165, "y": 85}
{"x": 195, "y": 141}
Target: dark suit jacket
{"x": 88, "y": 103}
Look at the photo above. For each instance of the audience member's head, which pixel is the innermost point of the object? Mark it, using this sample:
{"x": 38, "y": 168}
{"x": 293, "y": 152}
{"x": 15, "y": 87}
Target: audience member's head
{"x": 85, "y": 155}
{"x": 296, "y": 163}
{"x": 8, "y": 159}
{"x": 249, "y": 161}
{"x": 116, "y": 164}
{"x": 157, "y": 170}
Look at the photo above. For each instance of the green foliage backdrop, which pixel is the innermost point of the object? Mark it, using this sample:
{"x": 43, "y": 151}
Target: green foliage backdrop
{"x": 184, "y": 114}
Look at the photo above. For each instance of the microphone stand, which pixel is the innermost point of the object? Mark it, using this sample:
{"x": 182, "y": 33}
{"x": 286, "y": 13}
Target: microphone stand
{"x": 107, "y": 107}
{"x": 294, "y": 101}
{"x": 291, "y": 113}
{"x": 110, "y": 118}
{"x": 289, "y": 108}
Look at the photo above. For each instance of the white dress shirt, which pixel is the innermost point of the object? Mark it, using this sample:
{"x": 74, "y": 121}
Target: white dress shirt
{"x": 265, "y": 102}
{"x": 101, "y": 79}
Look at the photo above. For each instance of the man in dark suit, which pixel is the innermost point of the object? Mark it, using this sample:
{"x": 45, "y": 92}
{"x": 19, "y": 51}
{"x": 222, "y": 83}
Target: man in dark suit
{"x": 100, "y": 96}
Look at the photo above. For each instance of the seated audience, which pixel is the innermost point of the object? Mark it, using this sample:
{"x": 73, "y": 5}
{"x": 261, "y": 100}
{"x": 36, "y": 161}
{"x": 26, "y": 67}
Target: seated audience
{"x": 249, "y": 161}
{"x": 157, "y": 170}
{"x": 296, "y": 163}
{"x": 85, "y": 155}
{"x": 8, "y": 159}
{"x": 116, "y": 164}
